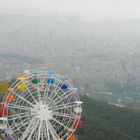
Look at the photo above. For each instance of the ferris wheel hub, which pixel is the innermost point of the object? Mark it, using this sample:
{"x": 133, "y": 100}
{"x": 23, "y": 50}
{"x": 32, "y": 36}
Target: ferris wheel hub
{"x": 42, "y": 112}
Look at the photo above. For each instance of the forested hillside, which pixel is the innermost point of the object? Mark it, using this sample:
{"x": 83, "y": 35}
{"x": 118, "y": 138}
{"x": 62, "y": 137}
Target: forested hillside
{"x": 101, "y": 121}
{"x": 106, "y": 122}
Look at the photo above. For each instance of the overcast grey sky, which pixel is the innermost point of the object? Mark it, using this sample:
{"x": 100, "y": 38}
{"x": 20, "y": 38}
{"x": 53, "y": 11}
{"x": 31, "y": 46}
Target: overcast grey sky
{"x": 128, "y": 8}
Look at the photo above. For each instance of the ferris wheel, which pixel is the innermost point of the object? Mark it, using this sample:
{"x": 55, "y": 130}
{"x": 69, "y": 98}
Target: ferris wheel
{"x": 42, "y": 106}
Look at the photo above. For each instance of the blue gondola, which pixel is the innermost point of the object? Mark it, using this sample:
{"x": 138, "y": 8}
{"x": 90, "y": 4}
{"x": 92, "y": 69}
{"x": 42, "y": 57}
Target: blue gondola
{"x": 63, "y": 86}
{"x": 50, "y": 81}
{"x": 50, "y": 72}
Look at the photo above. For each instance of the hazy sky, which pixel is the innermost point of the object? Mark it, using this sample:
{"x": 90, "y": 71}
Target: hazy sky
{"x": 129, "y": 8}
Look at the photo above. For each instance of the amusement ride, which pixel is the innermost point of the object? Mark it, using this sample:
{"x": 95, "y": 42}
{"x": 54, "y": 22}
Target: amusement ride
{"x": 41, "y": 106}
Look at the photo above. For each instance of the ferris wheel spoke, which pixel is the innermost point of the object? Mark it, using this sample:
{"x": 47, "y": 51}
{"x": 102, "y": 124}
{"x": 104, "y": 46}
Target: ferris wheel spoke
{"x": 46, "y": 94}
{"x": 70, "y": 111}
{"x": 63, "y": 115}
{"x": 52, "y": 131}
{"x": 18, "y": 128}
{"x": 39, "y": 97}
{"x": 61, "y": 99}
{"x": 42, "y": 132}
{"x": 47, "y": 133}
{"x": 55, "y": 93}
{"x": 53, "y": 102}
{"x": 19, "y": 125}
{"x": 64, "y": 105}
{"x": 18, "y": 107}
{"x": 47, "y": 89}
{"x": 24, "y": 100}
{"x": 28, "y": 129}
{"x": 66, "y": 108}
{"x": 39, "y": 130}
{"x": 19, "y": 117}
{"x": 60, "y": 123}
{"x": 10, "y": 116}
{"x": 30, "y": 92}
{"x": 33, "y": 129}
{"x": 46, "y": 97}
{"x": 50, "y": 97}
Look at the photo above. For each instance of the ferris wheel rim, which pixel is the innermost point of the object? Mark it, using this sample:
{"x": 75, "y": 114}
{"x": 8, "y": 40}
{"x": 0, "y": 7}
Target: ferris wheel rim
{"x": 51, "y": 121}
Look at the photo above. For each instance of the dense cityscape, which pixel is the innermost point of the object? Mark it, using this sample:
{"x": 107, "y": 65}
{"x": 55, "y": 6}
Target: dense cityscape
{"x": 109, "y": 64}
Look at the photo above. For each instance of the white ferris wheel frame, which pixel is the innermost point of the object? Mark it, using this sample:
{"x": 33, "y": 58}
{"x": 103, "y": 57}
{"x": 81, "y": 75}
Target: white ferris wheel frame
{"x": 43, "y": 113}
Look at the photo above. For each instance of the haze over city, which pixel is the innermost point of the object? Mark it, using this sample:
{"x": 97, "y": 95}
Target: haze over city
{"x": 94, "y": 45}
{"x": 109, "y": 8}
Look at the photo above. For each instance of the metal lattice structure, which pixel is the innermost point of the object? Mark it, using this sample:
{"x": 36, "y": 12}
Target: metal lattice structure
{"x": 42, "y": 106}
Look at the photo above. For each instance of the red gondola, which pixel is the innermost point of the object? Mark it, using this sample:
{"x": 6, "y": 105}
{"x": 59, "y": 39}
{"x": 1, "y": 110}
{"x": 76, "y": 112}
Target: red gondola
{"x": 3, "y": 111}
{"x": 77, "y": 124}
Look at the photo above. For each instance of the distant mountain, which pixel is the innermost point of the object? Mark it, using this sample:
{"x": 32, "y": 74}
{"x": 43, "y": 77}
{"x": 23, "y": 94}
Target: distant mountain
{"x": 107, "y": 122}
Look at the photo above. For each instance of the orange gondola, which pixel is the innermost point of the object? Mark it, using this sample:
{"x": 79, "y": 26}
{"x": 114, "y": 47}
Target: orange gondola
{"x": 10, "y": 98}
{"x": 72, "y": 137}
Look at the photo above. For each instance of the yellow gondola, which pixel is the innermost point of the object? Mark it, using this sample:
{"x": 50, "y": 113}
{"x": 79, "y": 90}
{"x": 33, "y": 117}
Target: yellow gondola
{"x": 10, "y": 98}
{"x": 21, "y": 78}
{"x": 21, "y": 87}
